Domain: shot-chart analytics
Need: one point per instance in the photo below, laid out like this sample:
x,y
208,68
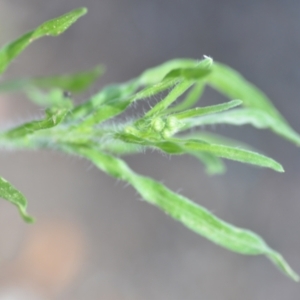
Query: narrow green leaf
x,y
76,82
54,116
232,153
176,92
200,111
178,68
155,89
12,195
255,117
214,165
178,146
233,85
58,25
182,209
192,98
52,27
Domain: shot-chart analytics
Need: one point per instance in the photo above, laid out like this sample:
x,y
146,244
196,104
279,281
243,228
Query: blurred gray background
x,y
110,244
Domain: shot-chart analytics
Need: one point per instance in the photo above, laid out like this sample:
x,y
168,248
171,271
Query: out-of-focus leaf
x,y
52,98
12,195
187,212
118,147
52,27
233,85
75,83
255,117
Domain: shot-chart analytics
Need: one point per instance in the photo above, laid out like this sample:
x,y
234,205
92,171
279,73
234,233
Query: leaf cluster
x,y
96,130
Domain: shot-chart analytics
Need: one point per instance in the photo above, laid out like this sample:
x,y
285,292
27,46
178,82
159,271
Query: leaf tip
x,y
279,168
208,61
237,102
82,11
28,219
208,58
282,264
276,166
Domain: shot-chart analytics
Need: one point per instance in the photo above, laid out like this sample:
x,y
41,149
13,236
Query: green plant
x,y
86,130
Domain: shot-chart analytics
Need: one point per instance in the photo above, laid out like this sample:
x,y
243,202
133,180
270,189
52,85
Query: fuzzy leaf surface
x,y
187,212
52,119
178,146
75,83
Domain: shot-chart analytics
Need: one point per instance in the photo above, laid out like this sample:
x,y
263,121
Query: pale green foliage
x,y
89,130
11,194
52,28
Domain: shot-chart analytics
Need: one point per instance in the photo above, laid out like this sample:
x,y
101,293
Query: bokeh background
x,y
94,239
